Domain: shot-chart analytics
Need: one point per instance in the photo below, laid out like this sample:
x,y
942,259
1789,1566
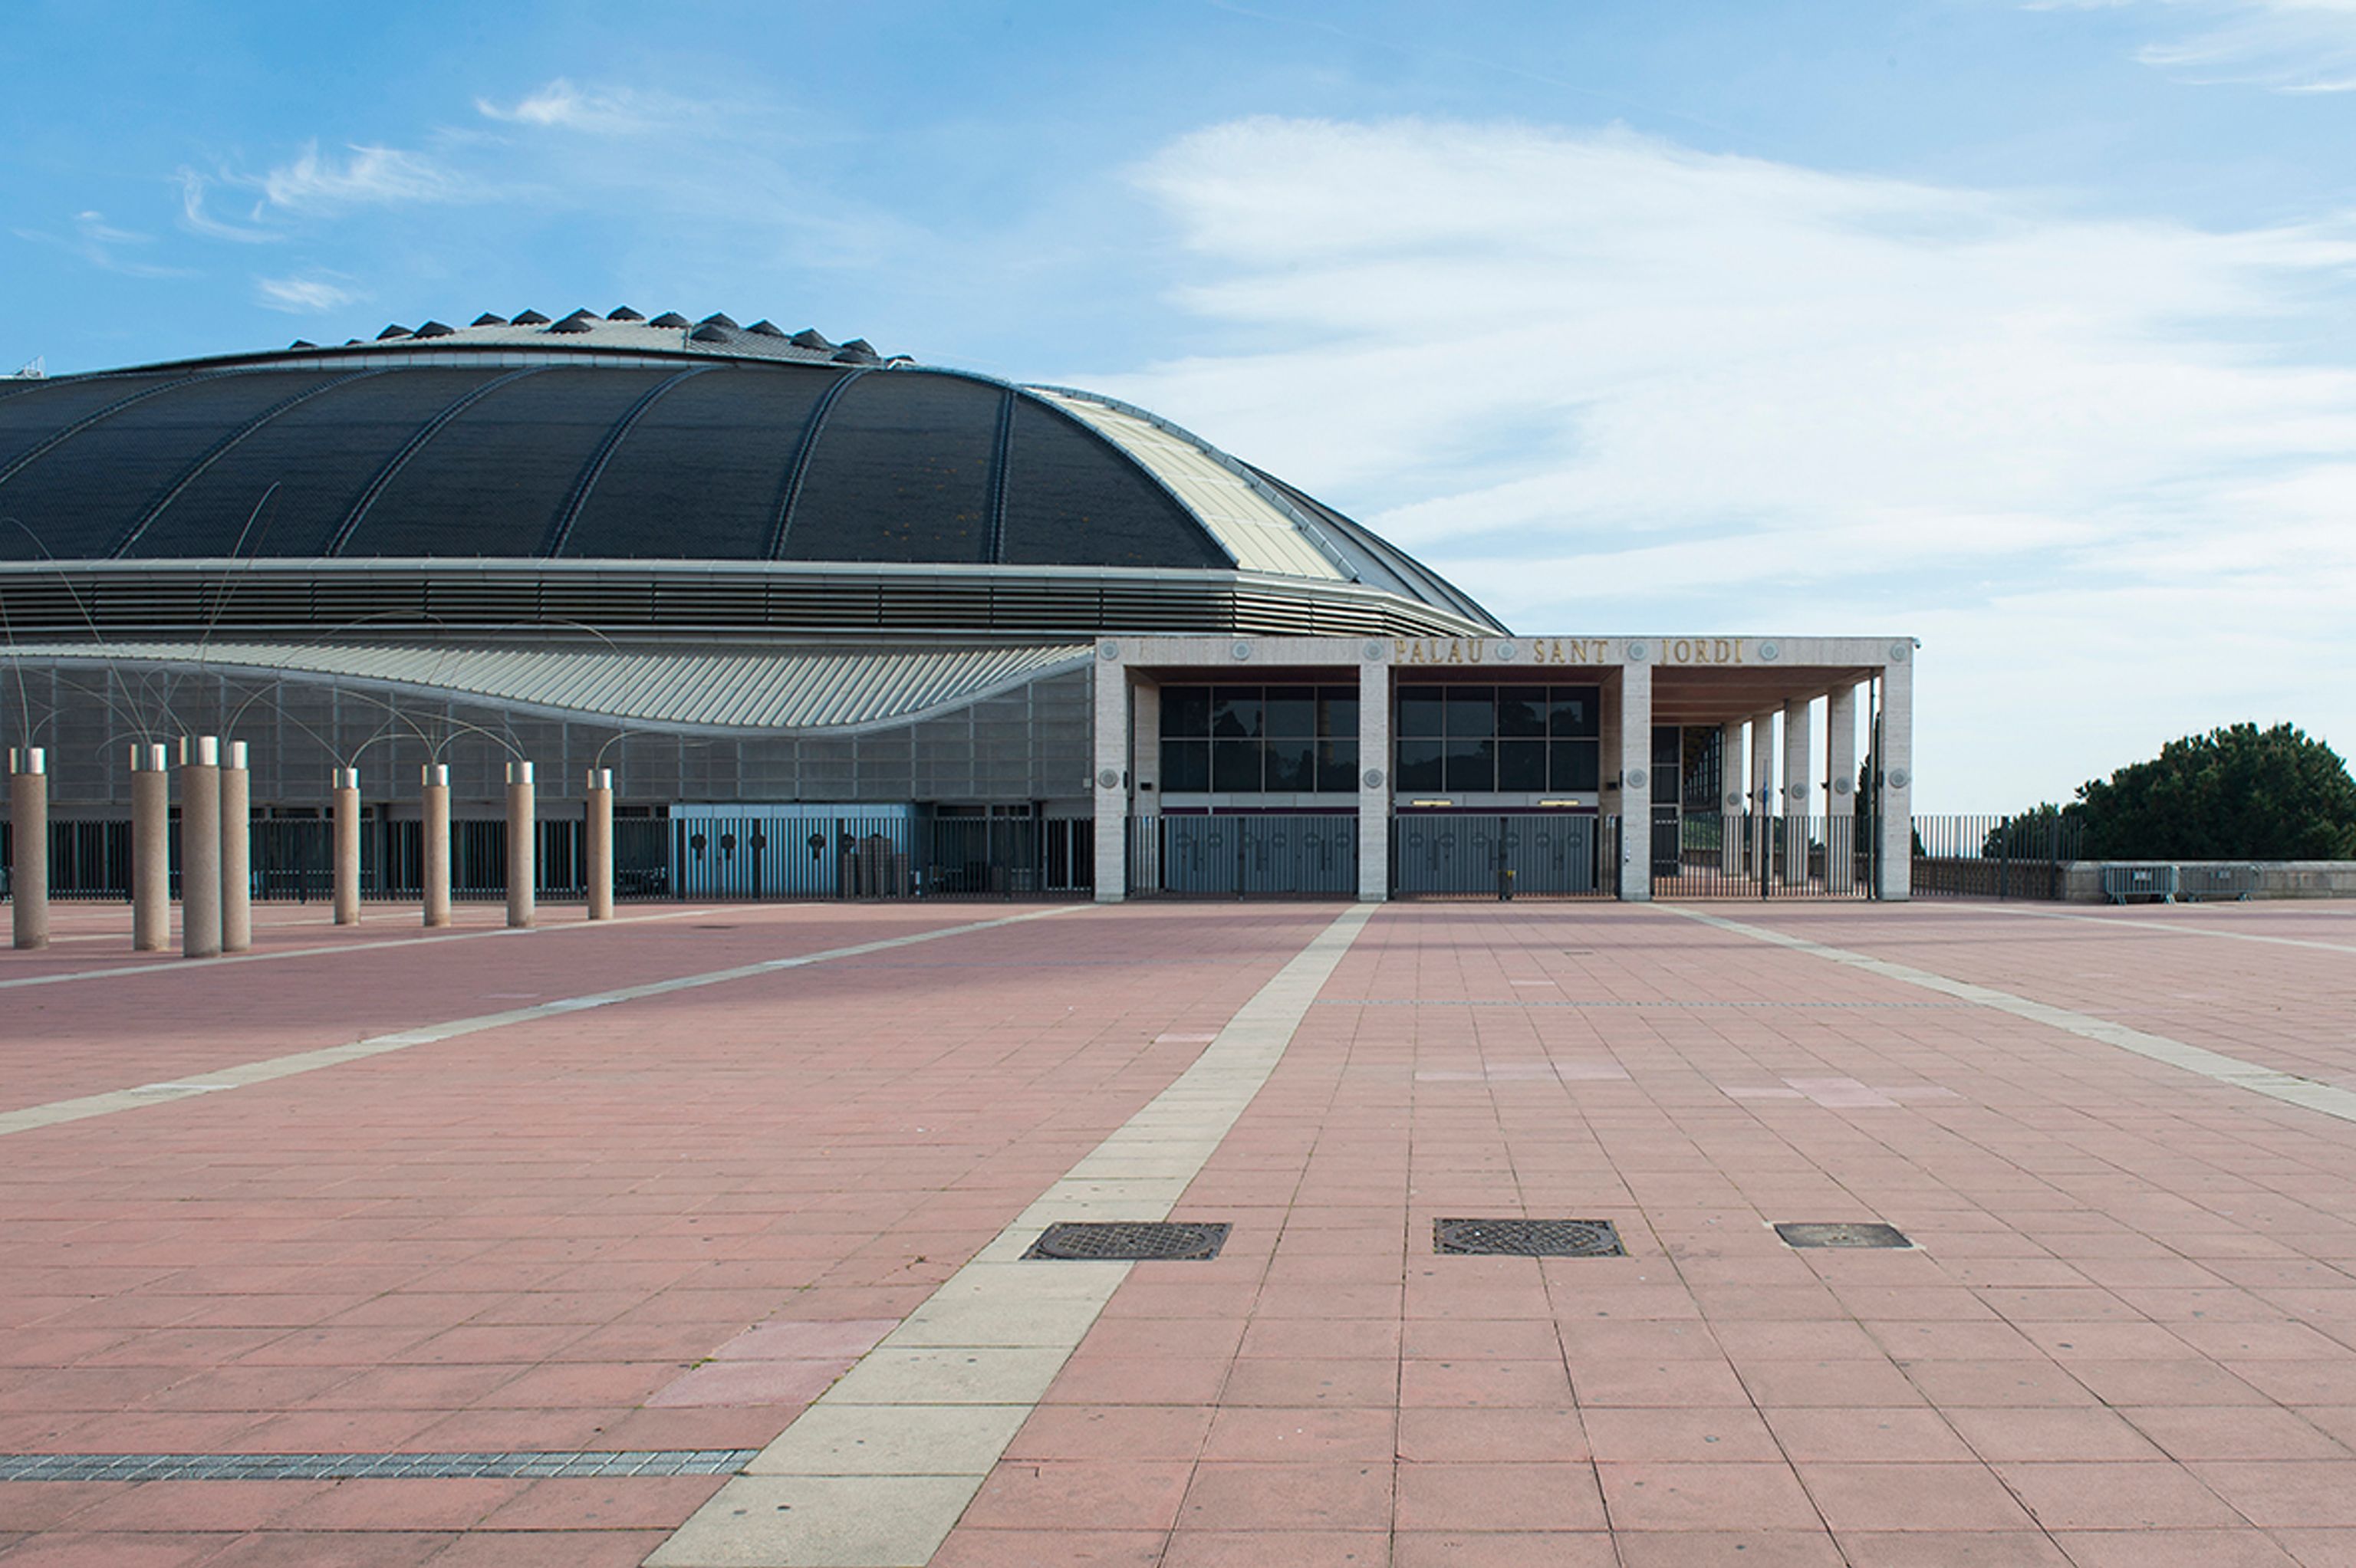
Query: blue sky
x,y
2025,329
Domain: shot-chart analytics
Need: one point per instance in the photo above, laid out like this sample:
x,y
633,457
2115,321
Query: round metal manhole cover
x,y
1129,1242
1528,1238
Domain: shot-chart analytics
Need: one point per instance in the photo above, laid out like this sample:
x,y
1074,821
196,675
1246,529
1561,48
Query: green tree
x,y
2237,792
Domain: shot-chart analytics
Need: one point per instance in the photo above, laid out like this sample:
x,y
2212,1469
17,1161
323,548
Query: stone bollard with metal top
x,y
28,815
520,859
437,843
346,783
200,846
237,850
599,835
151,849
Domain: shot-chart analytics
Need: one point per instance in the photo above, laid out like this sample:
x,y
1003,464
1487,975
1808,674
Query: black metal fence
x,y
2023,857
1760,856
1244,855
1505,855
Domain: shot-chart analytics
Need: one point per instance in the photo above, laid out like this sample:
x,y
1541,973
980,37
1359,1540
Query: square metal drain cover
x,y
1124,1240
1528,1238
1854,1234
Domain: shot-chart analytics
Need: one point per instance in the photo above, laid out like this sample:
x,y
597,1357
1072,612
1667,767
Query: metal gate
x,y
1508,855
1755,856
1259,854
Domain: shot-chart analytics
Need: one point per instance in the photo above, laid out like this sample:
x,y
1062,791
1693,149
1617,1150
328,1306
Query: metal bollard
x,y
29,878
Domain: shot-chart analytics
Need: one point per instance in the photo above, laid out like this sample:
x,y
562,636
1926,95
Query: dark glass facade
x,y
1259,739
1497,740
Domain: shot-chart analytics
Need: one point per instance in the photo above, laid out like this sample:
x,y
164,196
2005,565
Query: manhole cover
x,y
1858,1234
1128,1241
1528,1238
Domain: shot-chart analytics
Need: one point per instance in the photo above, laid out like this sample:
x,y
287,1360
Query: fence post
x,y
151,849
348,846
522,907
200,846
598,833
436,891
28,880
237,849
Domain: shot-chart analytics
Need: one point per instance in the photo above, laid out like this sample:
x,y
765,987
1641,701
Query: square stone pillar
x,y
1798,805
1145,747
1730,796
1374,777
1108,778
1632,760
1895,759
1840,790
1758,830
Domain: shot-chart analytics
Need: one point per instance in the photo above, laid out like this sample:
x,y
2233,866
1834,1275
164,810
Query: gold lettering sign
x,y
1702,650
1585,651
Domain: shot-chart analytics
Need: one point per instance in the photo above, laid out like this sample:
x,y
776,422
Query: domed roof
x,y
614,437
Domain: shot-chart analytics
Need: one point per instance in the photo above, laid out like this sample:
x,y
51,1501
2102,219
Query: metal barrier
x,y
2125,881
1755,856
1503,855
2019,857
2217,879
1244,855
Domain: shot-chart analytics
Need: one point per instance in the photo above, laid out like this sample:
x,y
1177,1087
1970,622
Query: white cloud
x,y
309,294
367,176
102,244
1611,384
560,103
2288,46
197,220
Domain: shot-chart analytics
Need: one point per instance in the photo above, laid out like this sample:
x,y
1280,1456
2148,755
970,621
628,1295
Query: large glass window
x,y
1259,739
1481,739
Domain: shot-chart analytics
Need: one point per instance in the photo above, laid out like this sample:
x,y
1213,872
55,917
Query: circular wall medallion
x,y
1771,651
1373,650
1840,787
1506,650
1374,778
1636,779
1109,779
1898,651
1638,653
1733,802
1797,792
1898,778
1108,649
1242,650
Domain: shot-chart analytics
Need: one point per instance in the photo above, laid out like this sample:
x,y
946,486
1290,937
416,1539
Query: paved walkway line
x,y
184,966
2184,930
2329,1099
877,1471
276,1067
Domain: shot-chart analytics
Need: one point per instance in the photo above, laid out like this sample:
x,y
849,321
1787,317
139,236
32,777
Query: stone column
x,y
1729,796
1108,780
347,782
597,835
29,816
1373,776
151,849
1632,762
1840,790
436,813
1798,805
1894,757
200,846
521,856
1760,807
237,849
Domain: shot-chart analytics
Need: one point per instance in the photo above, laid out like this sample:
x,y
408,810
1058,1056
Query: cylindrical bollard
x,y
348,846
600,837
437,843
151,849
237,850
200,846
520,859
29,877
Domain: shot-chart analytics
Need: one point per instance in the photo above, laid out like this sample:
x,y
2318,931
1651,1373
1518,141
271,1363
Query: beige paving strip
x,y
187,965
2327,1098
876,1473
264,1071
2166,928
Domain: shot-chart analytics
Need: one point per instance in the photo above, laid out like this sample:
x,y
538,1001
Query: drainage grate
x,y
1529,1238
354,1466
1128,1241
1858,1234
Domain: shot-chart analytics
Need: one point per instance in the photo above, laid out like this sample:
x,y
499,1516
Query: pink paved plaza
x,y
656,1185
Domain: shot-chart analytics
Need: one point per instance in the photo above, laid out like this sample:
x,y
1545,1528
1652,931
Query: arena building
x,y
818,607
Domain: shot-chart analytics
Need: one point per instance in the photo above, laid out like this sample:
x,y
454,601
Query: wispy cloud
x,y
102,244
2287,46
197,220
362,177
600,110
307,294
1610,383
